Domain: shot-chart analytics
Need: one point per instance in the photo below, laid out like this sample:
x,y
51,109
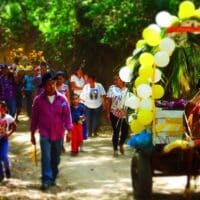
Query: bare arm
x,y
74,87
12,129
108,106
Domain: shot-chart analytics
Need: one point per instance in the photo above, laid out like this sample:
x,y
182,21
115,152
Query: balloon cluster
x,y
152,60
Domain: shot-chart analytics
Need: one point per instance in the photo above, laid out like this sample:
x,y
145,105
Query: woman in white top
x,y
77,81
93,97
116,112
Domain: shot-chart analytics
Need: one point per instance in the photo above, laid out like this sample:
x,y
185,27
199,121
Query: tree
x,y
68,31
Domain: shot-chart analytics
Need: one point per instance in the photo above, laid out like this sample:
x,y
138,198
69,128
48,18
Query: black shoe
x,y
45,186
96,135
121,149
1,178
53,183
63,150
8,174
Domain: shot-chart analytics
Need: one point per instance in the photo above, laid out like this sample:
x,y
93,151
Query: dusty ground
x,y
93,174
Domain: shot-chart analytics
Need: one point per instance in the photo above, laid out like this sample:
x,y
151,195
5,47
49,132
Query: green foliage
x,y
40,24
183,71
59,27
12,28
111,22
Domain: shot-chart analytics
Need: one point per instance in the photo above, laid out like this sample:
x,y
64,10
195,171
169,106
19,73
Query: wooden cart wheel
x,y
141,175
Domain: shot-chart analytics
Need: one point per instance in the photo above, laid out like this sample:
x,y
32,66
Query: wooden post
x,y
153,103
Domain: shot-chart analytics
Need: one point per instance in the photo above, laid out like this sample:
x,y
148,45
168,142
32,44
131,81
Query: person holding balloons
x,y
116,113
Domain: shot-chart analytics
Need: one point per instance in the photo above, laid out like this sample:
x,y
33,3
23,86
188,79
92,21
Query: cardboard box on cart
x,y
168,126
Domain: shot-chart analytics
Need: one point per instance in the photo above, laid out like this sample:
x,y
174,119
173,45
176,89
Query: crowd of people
x,y
60,109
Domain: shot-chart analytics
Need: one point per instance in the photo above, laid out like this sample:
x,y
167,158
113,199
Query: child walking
x,y
7,127
78,117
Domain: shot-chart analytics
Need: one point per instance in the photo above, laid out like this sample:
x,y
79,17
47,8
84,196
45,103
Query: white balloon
x,y
130,118
144,91
164,19
155,27
168,45
161,59
146,104
125,74
132,102
157,76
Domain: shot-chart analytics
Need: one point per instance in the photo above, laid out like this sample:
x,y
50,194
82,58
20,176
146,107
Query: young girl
x,y
61,86
7,127
63,89
78,117
116,113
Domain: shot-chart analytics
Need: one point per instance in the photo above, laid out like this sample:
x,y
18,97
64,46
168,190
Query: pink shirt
x,y
51,119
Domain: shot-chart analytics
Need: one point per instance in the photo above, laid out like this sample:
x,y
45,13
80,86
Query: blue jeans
x,y
12,107
4,161
50,159
93,116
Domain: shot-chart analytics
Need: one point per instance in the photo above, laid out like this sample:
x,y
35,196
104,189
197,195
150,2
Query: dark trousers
x,y
29,102
11,105
50,159
120,131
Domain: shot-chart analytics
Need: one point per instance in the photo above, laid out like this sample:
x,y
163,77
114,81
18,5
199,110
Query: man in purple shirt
x,y
8,89
51,116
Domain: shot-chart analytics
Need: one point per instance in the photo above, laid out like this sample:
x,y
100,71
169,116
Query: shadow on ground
x,y
93,174
158,196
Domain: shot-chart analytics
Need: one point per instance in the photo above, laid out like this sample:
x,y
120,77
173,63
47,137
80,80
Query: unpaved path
x,y
93,174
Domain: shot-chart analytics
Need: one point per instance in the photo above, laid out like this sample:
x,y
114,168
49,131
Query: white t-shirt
x,y
5,122
117,95
51,98
92,97
79,82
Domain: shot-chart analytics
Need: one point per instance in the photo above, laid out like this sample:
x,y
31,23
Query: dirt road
x,y
93,174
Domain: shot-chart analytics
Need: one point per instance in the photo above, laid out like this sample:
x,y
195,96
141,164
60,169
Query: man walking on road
x,y
51,116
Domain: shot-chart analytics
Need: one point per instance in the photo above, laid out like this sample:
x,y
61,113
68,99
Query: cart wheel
x,y
141,176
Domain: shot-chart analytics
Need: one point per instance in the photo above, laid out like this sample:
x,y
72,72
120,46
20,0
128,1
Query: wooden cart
x,y
145,165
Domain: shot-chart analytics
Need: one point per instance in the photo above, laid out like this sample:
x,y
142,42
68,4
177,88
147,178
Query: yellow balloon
x,y
145,116
182,144
186,10
136,127
140,44
145,71
140,80
197,13
146,59
186,5
158,91
151,36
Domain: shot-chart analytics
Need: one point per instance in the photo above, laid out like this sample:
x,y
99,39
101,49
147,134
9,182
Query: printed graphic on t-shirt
x,y
2,127
117,101
93,93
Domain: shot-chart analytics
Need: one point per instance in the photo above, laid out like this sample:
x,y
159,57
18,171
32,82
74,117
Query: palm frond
x,y
183,71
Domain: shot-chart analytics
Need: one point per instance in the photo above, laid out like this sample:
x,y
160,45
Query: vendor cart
x,y
146,164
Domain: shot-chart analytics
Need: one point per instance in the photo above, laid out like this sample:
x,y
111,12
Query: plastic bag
x,y
141,141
